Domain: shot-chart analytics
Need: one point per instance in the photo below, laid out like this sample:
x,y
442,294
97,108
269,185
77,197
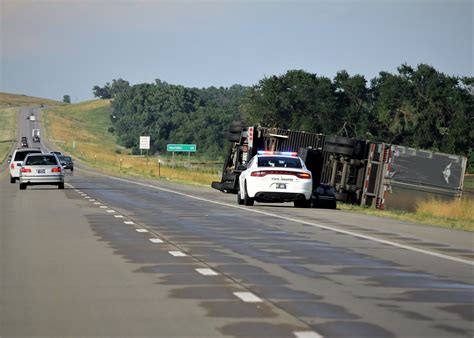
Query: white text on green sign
x,y
181,147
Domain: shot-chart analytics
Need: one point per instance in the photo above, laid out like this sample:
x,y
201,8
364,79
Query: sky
x,y
50,48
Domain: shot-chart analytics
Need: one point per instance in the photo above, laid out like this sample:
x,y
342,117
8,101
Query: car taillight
x,y
56,170
262,173
259,173
303,175
12,166
25,170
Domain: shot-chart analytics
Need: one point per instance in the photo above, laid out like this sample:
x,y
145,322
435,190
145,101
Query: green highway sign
x,y
190,148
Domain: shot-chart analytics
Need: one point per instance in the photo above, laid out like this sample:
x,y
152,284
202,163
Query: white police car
x,y
275,177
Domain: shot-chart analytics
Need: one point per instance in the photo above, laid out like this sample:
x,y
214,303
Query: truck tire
x,y
232,137
247,200
61,186
22,186
12,180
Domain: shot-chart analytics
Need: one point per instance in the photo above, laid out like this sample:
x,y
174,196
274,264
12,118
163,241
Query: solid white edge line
x,y
177,253
207,272
383,241
307,334
248,297
156,240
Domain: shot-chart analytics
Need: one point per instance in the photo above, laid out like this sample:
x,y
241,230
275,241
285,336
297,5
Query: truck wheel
x,y
61,186
12,180
22,186
247,200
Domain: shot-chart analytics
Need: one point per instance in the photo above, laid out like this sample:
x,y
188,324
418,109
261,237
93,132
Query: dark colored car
x,y
66,162
324,197
36,138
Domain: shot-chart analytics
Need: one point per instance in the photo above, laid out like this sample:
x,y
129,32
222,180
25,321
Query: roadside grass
x,y
82,131
15,100
8,119
457,214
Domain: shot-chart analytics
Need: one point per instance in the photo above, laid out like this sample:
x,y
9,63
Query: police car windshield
x,y
279,162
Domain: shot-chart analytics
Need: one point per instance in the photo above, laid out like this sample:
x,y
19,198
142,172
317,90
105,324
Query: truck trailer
x,y
362,172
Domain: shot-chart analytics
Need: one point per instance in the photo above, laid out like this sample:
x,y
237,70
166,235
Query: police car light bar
x,y
283,153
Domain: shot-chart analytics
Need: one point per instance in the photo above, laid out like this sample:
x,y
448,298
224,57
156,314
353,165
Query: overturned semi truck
x,y
374,174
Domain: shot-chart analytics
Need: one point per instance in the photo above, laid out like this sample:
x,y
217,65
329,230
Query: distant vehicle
x,y
36,138
24,143
66,162
58,153
17,159
41,169
275,177
32,118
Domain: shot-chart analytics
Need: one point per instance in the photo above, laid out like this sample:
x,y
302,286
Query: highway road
x,y
118,256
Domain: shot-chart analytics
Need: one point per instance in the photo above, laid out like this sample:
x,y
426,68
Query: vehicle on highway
x,y
36,138
324,196
24,142
275,177
17,159
66,162
41,169
57,153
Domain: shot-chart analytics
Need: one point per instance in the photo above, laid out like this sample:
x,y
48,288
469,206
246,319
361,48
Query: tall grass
x,y
8,118
462,209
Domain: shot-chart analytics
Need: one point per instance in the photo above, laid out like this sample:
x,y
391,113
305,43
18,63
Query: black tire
x,y
302,204
61,186
240,201
12,180
22,186
247,200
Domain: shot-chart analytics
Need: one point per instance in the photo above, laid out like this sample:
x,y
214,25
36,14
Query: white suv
x,y
275,177
16,161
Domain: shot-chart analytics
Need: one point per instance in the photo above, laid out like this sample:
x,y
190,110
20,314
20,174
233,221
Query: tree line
x,y
417,106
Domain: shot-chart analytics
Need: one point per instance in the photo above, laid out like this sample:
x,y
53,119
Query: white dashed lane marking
x,y
177,253
248,297
97,203
111,211
118,216
156,240
103,207
207,272
142,230
129,222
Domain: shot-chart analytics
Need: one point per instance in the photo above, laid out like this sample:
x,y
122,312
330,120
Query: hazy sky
x,y
49,48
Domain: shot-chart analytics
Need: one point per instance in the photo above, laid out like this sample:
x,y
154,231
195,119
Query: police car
x,y
275,177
